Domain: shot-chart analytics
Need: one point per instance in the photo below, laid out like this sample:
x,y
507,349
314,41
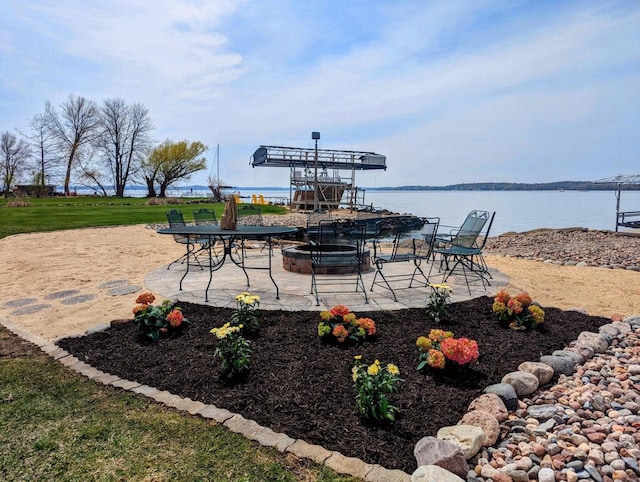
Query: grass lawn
x,y
57,425
56,213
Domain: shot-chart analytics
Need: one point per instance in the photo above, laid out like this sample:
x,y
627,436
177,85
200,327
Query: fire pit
x,y
297,259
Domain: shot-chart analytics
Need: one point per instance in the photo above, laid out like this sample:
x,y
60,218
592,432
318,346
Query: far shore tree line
x,y
106,145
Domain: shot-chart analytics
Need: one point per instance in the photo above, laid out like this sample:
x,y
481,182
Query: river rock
x,y
523,383
506,392
546,475
595,341
490,403
470,439
542,412
542,371
575,356
487,422
434,451
561,365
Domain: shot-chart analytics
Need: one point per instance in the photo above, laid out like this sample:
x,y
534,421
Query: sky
x,y
449,92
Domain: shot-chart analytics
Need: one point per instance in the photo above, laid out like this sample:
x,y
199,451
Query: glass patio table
x,y
231,239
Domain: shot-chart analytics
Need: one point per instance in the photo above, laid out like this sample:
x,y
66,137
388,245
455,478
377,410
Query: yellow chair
x,y
262,201
254,199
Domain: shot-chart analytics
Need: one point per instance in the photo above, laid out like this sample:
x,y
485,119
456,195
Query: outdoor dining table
x,y
209,235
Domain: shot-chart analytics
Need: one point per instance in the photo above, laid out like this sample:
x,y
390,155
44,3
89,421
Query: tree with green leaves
x,y
170,162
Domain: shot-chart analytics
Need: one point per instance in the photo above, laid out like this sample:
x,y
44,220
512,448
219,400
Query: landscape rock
x,y
490,403
433,473
506,392
470,439
562,365
434,451
487,422
542,371
595,341
523,383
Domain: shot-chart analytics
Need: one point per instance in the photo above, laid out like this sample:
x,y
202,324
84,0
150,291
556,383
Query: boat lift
x,y
626,219
310,189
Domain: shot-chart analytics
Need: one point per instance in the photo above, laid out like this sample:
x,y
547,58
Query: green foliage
x,y
341,325
372,384
438,302
233,350
246,314
172,161
154,321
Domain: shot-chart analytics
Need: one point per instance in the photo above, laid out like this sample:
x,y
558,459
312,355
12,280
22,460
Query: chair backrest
x,y
340,233
468,233
250,215
427,237
372,226
175,219
485,236
205,216
174,216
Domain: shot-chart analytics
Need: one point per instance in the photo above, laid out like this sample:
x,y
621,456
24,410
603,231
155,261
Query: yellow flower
x,y
391,368
376,362
358,357
373,369
224,330
440,286
424,343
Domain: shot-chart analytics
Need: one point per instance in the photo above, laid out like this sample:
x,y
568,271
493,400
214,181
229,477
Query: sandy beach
x,y
93,262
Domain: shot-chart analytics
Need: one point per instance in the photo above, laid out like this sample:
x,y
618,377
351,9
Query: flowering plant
x,y
519,311
156,320
372,384
438,301
440,346
233,350
342,325
246,314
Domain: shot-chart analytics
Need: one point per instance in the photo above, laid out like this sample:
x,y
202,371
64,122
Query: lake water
x,y
515,210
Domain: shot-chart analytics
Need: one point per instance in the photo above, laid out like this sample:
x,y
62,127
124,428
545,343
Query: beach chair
x,y
176,220
411,248
343,237
463,253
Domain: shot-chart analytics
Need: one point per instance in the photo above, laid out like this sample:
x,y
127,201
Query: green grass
x,y
53,214
56,425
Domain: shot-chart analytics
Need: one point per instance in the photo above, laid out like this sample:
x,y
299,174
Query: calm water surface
x,y
515,210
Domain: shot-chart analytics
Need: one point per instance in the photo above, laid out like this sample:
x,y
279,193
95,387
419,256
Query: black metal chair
x,y
406,248
336,258
176,220
465,253
206,217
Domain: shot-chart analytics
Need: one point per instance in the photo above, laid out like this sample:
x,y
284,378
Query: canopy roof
x,y
622,179
277,156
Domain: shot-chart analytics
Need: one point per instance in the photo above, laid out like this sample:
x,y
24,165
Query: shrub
x,y
440,346
372,384
519,312
233,350
341,325
438,302
154,321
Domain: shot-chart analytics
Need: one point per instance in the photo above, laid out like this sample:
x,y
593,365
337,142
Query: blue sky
x,y
463,91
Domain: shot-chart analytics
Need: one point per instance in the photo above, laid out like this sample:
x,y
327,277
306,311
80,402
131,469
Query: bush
x,y
154,321
441,346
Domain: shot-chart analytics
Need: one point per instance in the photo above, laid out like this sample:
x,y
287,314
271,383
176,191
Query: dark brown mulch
x,y
302,387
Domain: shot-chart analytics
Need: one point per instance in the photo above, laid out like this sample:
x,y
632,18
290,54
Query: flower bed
x,y
303,387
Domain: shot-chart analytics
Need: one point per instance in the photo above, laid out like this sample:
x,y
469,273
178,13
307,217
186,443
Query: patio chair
x,y
176,220
332,270
313,221
205,217
251,215
465,254
410,248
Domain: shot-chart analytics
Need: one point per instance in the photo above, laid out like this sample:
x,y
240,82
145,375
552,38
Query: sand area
x,y
65,282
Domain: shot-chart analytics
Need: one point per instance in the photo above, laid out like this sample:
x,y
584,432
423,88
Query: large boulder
x,y
524,383
542,371
470,439
562,365
595,341
506,392
490,403
487,422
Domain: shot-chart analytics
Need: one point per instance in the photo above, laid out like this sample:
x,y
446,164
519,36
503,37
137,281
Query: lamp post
x,y
315,136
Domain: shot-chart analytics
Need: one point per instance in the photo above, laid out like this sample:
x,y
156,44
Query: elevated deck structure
x,y
625,219
330,176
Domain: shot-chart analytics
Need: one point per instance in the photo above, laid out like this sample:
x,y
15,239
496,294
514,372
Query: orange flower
x,y
502,297
368,325
341,333
435,358
138,308
439,335
460,350
340,310
515,306
145,299
523,298
175,318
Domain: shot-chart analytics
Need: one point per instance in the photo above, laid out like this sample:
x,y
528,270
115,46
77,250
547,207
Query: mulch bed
x,y
303,387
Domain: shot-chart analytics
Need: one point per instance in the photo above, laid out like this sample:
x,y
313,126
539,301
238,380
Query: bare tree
x,y
14,159
172,161
124,139
43,148
76,126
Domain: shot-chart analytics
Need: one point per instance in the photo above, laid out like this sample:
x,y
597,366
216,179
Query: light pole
x,y
315,136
